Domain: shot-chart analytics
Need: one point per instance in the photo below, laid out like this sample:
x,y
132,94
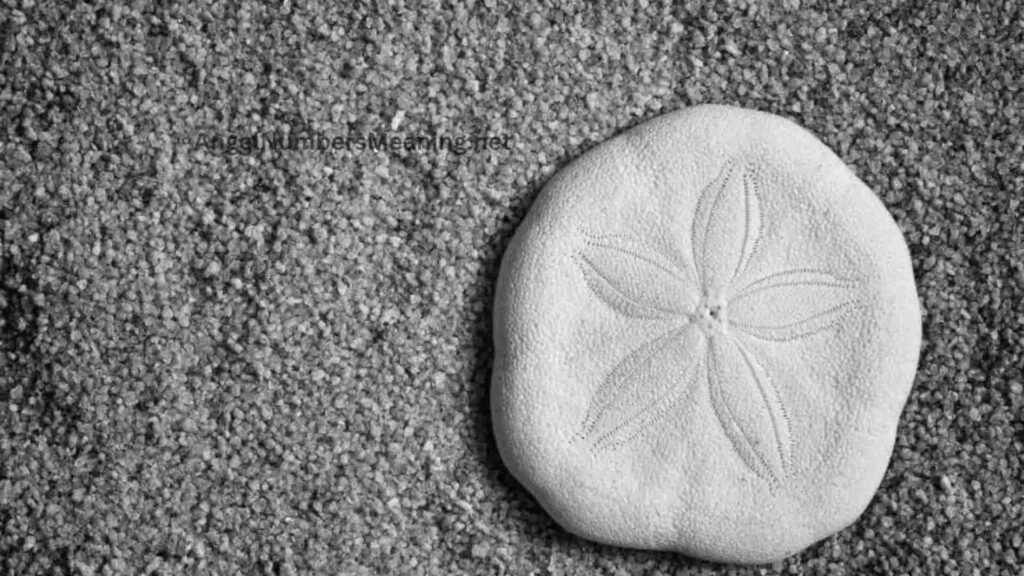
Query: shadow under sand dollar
x,y
528,515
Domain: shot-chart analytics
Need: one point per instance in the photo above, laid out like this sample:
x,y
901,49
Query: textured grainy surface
x,y
677,320
278,363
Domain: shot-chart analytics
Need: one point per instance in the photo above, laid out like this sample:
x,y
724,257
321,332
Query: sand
x,y
219,356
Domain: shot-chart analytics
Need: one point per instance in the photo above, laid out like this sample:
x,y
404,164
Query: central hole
x,y
715,311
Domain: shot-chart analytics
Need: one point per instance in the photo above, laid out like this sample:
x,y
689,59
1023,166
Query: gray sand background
x,y
277,362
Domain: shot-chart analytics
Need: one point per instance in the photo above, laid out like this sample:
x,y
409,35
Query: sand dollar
x,y
705,331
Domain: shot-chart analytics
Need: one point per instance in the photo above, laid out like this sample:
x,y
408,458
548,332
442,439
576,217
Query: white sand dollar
x,y
705,331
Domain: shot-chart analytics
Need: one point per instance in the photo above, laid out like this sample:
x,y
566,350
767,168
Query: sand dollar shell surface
x,y
706,329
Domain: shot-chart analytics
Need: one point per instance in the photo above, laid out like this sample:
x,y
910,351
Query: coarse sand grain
x,y
230,354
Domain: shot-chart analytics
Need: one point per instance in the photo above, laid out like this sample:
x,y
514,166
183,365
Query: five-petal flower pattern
x,y
716,311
